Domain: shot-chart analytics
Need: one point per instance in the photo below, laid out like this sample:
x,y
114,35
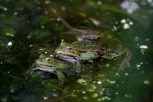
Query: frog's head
x,y
45,63
45,60
66,50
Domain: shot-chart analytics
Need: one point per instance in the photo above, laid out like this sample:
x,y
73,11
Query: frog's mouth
x,y
44,68
71,59
37,63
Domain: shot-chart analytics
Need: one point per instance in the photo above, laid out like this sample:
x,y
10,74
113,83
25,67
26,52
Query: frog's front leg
x,y
74,60
60,75
77,66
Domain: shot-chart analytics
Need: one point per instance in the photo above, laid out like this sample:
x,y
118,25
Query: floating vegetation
x,y
76,69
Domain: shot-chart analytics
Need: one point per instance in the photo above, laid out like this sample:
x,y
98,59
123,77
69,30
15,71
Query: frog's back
x,y
86,45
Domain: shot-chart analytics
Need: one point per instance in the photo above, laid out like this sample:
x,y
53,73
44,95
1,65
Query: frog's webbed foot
x,y
125,62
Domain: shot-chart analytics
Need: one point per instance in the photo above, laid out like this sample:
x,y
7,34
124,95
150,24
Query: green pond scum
x,y
76,51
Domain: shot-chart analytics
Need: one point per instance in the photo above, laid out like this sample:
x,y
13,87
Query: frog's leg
x,y
125,62
77,66
60,76
111,56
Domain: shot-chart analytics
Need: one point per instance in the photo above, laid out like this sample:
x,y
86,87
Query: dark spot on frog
x,y
101,52
48,59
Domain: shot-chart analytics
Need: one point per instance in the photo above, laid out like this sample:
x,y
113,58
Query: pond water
x,y
30,28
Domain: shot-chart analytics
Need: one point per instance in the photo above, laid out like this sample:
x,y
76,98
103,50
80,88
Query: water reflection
x,y
26,38
129,6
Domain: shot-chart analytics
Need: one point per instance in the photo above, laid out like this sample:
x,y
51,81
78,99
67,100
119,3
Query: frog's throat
x,y
72,60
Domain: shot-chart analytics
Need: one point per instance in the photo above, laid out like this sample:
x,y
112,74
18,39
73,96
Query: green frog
x,y
87,51
66,52
49,63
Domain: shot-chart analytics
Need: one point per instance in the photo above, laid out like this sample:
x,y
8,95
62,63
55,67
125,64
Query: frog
x,y
50,64
66,52
84,34
79,33
88,51
77,51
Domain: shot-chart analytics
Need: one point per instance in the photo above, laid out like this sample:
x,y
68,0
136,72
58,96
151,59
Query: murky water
x,y
28,29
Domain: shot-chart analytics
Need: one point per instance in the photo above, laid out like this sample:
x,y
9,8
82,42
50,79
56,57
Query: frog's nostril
x,y
58,51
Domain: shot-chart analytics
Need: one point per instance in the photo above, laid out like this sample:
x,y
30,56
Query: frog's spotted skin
x,y
78,51
87,50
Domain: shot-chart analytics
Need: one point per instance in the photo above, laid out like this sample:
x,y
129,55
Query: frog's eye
x,y
70,48
48,59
